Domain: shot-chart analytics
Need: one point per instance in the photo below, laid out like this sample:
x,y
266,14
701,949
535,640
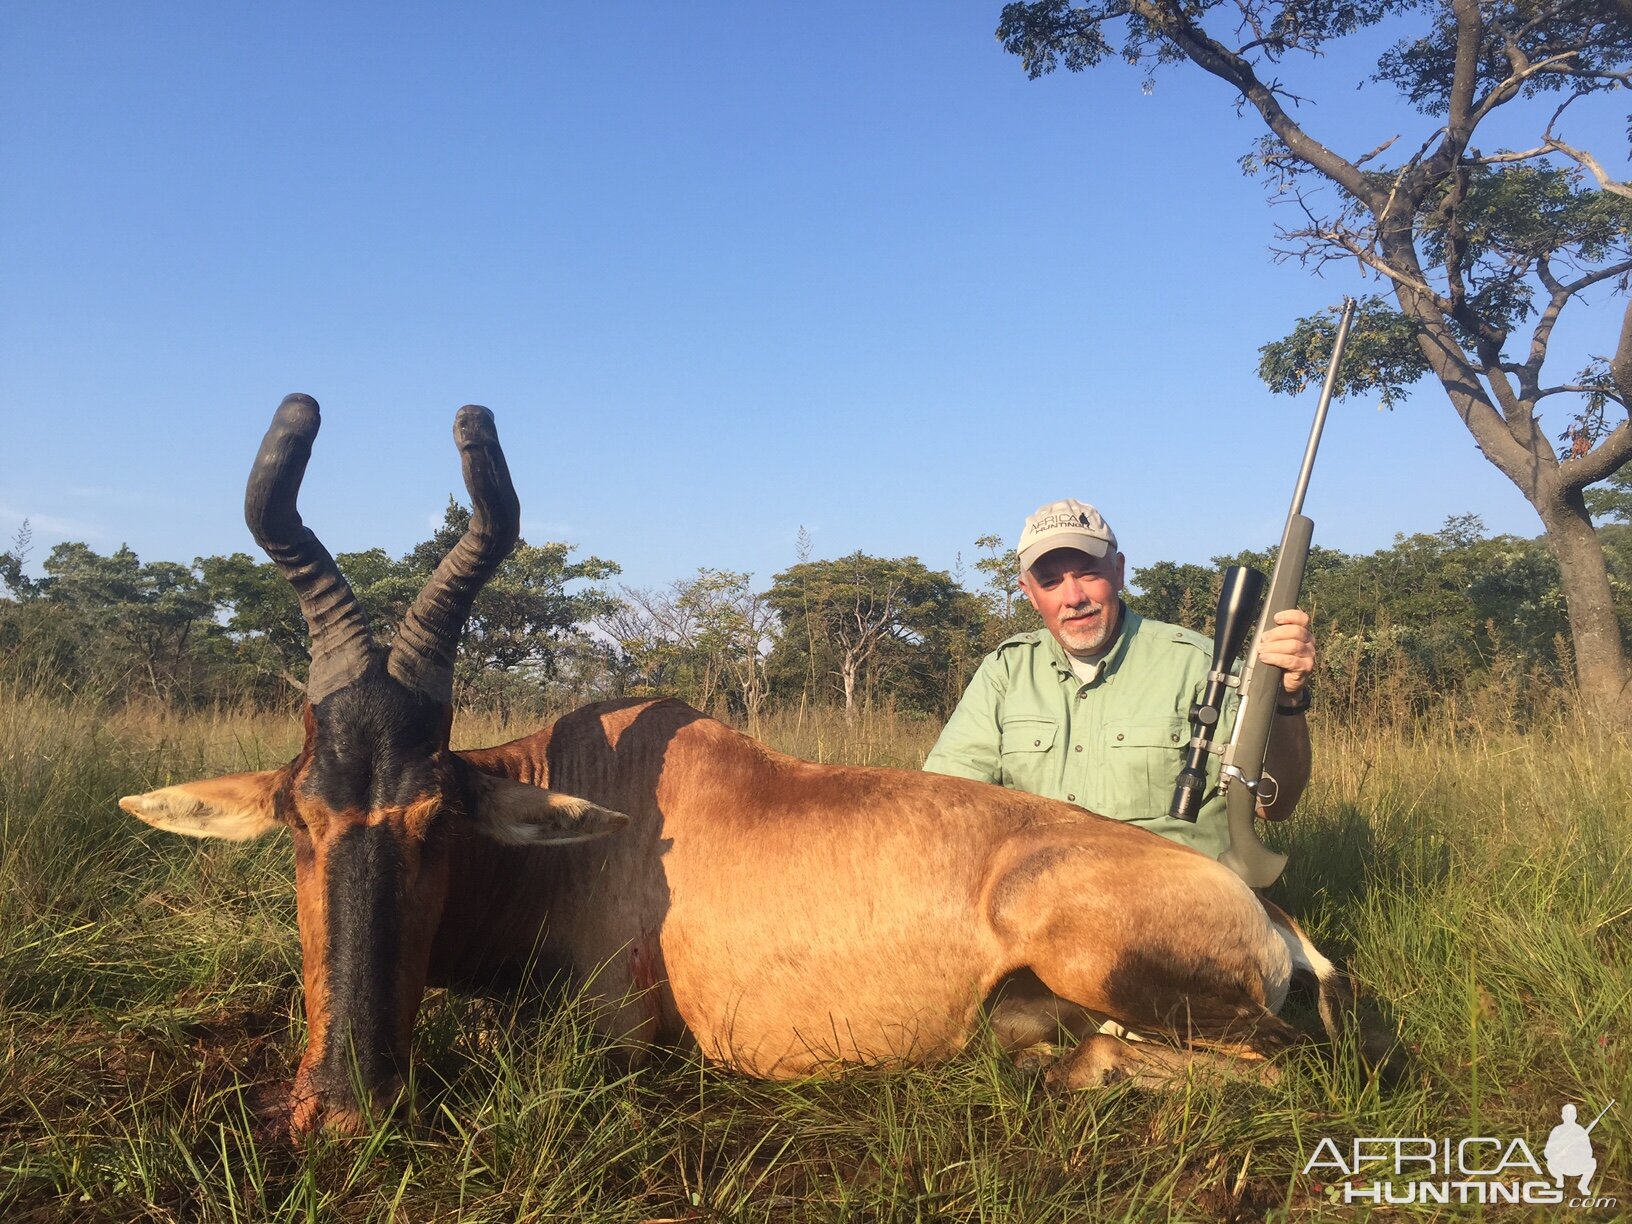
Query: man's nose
x,y
1075,589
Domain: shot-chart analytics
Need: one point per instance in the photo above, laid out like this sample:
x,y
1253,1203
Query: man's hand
x,y
1289,645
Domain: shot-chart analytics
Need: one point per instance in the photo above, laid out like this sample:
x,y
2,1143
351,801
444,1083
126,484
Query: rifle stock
x,y
1242,769
1243,764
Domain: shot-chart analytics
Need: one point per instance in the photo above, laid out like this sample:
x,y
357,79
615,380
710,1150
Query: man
x,y
1096,710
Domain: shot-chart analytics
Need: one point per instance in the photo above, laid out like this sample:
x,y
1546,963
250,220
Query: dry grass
x,y
1476,879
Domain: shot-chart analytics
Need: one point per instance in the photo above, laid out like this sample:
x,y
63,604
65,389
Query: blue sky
x,y
720,270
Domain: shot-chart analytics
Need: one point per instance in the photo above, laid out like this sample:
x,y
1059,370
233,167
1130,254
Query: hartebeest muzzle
x,y
375,797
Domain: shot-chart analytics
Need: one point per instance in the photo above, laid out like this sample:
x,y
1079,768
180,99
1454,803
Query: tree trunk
x,y
1518,449
847,673
1595,632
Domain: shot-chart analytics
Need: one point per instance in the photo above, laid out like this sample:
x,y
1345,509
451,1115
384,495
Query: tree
x,y
523,625
1007,611
115,619
1482,252
262,617
1180,593
875,623
704,637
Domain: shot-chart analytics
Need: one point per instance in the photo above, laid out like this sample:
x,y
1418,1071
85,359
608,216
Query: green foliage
x,y
1382,354
1595,38
1046,34
1179,593
873,628
1006,609
525,628
1452,607
262,617
1613,499
229,628
113,619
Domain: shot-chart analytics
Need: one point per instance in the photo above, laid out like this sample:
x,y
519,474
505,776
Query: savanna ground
x,y
1475,879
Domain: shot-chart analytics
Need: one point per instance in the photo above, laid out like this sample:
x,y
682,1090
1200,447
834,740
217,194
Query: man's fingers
x,y
1289,645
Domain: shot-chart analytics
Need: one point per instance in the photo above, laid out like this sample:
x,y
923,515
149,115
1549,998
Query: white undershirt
x,y
1088,670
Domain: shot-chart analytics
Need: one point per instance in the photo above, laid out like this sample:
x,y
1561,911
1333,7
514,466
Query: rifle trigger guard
x,y
1267,791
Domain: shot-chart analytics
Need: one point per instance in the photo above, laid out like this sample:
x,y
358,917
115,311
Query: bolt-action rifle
x,y
1241,774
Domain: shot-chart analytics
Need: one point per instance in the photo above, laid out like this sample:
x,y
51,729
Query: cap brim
x,y
1092,545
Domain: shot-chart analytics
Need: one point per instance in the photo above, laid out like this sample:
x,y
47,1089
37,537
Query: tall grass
x,y
1476,879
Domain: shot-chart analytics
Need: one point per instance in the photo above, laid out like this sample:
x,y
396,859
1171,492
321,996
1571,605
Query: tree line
x,y
1432,615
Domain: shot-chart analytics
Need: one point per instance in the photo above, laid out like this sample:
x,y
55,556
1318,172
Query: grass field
x,y
1476,881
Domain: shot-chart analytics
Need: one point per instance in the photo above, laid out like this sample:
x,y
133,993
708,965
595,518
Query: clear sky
x,y
721,270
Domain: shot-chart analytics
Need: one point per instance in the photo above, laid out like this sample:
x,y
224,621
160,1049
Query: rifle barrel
x,y
1326,390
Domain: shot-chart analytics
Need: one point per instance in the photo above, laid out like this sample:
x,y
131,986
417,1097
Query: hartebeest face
x,y
375,799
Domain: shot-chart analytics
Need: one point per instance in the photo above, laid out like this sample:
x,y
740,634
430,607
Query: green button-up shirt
x,y
1113,745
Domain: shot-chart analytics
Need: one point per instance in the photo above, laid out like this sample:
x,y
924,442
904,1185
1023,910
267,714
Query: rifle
x,y
1241,774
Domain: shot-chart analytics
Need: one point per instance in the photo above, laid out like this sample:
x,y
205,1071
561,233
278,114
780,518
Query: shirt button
x,y
1036,743
1175,739
1081,693
1079,748
1119,735
1071,798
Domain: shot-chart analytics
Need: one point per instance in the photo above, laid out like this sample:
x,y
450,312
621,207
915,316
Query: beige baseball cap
x,y
1065,524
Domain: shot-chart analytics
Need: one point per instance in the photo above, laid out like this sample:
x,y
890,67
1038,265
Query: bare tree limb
x,y
1601,461
1597,275
1213,57
1579,389
1506,90
1590,163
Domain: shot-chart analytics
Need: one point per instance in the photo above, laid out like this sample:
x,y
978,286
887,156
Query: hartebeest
x,y
790,917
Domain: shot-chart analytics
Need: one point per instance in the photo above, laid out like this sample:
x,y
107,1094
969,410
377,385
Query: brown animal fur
x,y
810,915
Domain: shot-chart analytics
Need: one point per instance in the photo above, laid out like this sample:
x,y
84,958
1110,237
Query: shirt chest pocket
x,y
1028,753
1142,762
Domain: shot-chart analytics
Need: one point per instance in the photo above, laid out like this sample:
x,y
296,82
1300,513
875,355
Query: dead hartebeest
x,y
790,917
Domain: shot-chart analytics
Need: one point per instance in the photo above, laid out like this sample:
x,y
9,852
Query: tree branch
x,y
1211,56
1505,91
1580,389
1620,366
1515,448
1590,163
1460,120
1601,461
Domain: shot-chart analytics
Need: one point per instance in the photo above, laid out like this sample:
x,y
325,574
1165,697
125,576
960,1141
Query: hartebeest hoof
x,y
312,1113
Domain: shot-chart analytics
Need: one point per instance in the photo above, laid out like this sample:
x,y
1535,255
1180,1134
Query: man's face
x,y
1077,597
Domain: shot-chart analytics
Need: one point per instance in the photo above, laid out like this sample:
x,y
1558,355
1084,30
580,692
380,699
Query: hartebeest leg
x,y
1101,1060
1105,938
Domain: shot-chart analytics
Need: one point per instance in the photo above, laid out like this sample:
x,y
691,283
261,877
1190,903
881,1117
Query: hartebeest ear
x,y
236,807
522,815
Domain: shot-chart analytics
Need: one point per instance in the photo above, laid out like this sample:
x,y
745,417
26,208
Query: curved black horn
x,y
422,652
341,646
